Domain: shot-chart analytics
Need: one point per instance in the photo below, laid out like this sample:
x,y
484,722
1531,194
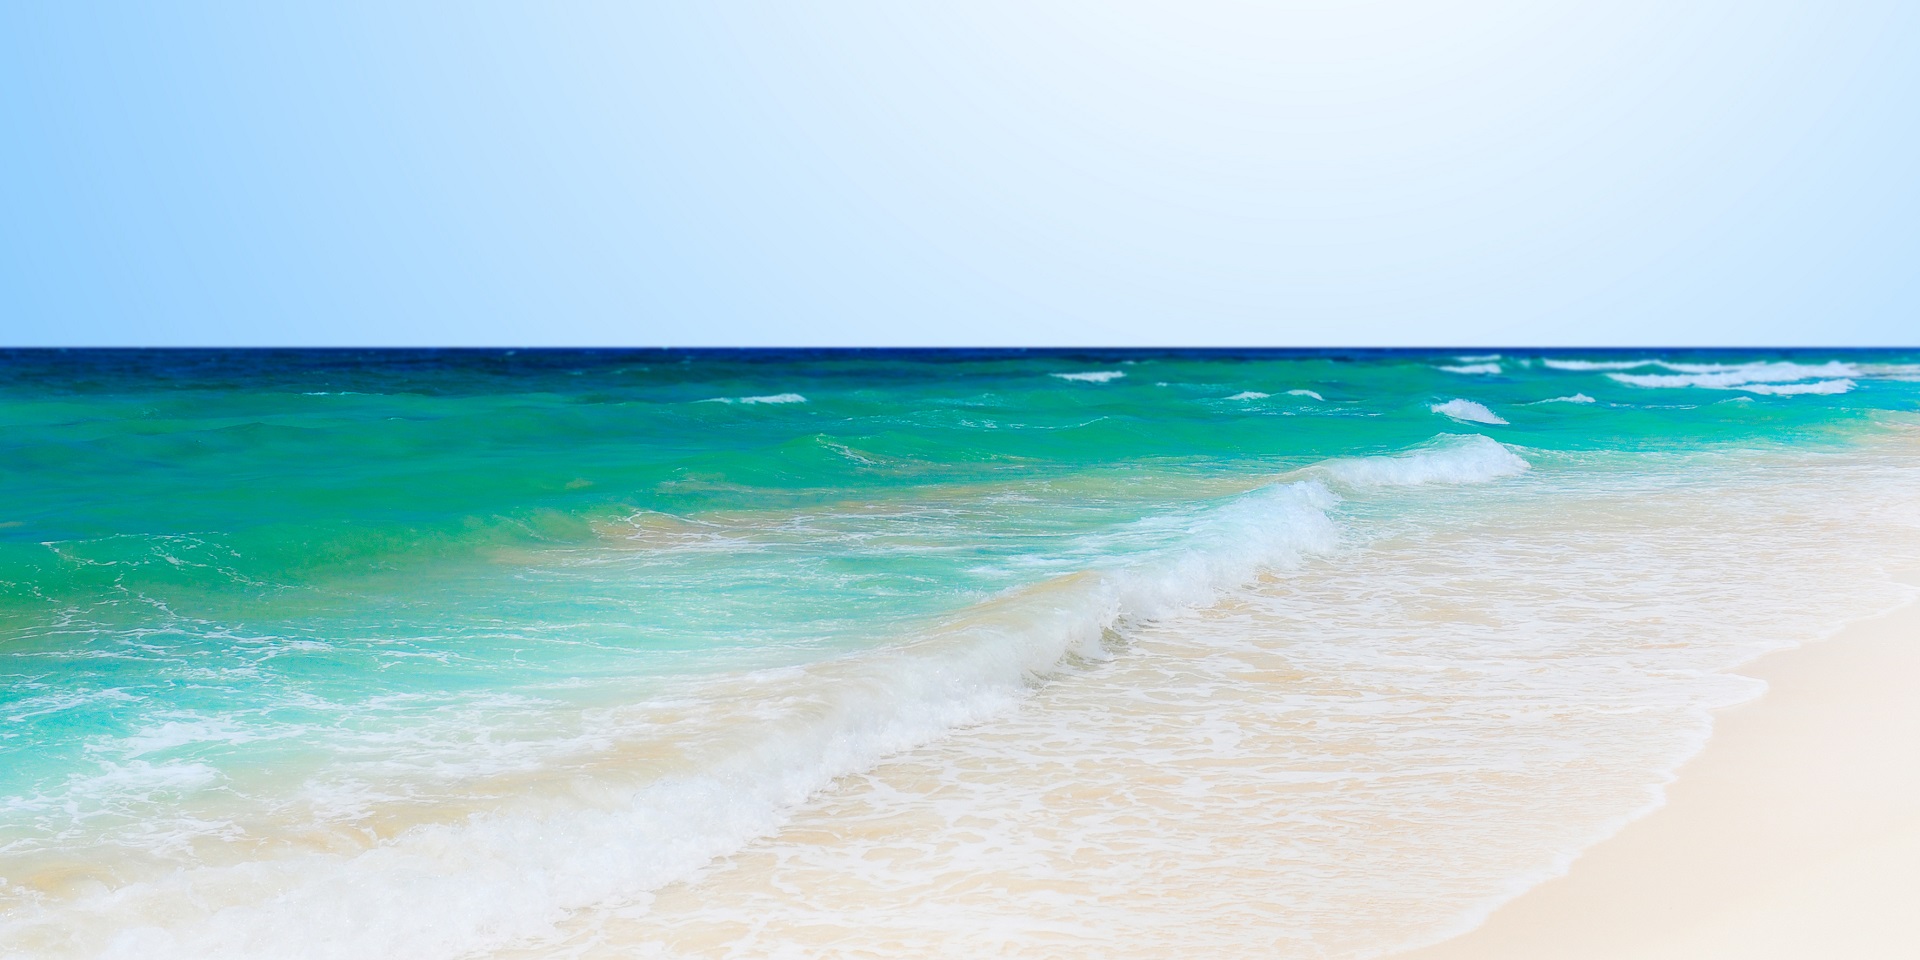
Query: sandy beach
x,y
1122,670
1795,834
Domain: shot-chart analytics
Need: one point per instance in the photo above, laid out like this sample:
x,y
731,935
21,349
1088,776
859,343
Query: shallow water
x,y
333,654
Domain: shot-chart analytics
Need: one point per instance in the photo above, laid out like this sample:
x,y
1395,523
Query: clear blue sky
x,y
1031,172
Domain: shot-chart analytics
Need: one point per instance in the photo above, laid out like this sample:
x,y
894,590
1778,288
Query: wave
x,y
1756,377
1449,458
1474,368
1734,377
1575,398
1765,370
745,751
1793,389
1727,376
1467,410
770,398
1585,366
1588,365
1091,376
1250,395
1890,371
1192,732
1305,393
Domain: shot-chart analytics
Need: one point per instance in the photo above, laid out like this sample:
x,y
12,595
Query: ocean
x,y
814,653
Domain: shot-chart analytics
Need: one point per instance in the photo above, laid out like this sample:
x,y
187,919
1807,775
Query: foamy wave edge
x,y
769,398
449,889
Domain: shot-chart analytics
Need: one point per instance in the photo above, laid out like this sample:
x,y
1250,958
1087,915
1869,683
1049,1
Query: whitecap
x,y
1474,368
1467,410
770,398
1773,370
1584,365
1448,458
1305,393
1091,376
848,452
1891,371
1576,398
1717,376
1250,395
1793,389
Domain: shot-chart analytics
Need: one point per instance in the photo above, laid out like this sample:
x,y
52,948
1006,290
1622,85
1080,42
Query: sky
x,y
1040,172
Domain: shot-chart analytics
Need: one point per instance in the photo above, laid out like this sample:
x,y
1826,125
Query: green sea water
x,y
239,587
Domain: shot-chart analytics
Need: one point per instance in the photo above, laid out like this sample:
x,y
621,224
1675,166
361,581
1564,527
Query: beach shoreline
x,y
1795,832
952,657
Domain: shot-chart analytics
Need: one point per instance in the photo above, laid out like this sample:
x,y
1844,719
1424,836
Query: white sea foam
x,y
1478,357
1092,376
1890,371
1793,389
1584,365
1305,393
1716,376
1448,458
1720,376
1768,370
142,777
175,733
1576,398
1474,368
1467,410
770,398
1250,395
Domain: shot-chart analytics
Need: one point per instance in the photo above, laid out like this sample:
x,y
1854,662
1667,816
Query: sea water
x,y
888,653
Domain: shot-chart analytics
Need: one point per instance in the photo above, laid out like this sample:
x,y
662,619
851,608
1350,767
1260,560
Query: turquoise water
x,y
248,596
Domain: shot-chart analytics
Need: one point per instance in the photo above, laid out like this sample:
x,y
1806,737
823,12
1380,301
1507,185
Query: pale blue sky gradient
x,y
1019,173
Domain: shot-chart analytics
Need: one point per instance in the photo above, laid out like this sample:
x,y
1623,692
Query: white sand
x,y
1795,834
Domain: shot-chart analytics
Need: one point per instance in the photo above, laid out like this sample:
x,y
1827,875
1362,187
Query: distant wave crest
x,y
1778,378
1448,458
770,398
1792,389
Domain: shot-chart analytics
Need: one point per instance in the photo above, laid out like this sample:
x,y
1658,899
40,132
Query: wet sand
x,y
1795,834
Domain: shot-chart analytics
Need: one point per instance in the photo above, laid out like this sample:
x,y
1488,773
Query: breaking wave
x,y
745,751
1467,410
